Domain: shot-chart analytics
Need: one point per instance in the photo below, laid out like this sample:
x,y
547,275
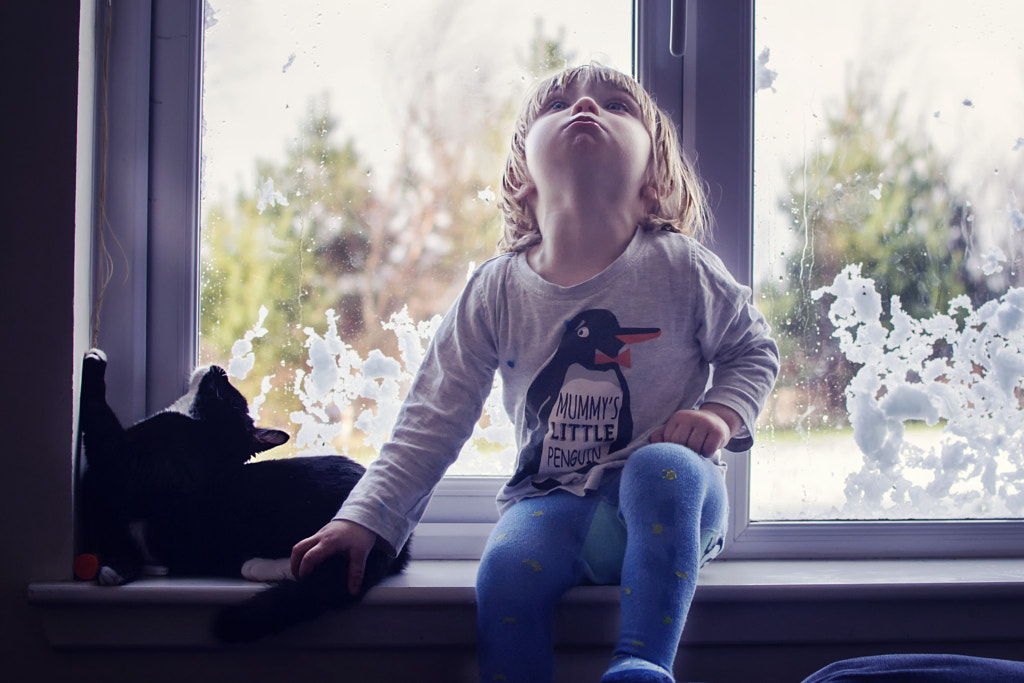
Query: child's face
x,y
590,128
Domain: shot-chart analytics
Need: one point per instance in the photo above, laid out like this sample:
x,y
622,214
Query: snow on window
x,y
338,380
963,370
888,257
351,155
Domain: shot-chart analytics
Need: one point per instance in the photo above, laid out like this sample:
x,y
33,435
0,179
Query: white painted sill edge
x,y
433,604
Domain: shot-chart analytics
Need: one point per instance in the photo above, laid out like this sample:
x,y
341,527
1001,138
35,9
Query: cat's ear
x,y
265,439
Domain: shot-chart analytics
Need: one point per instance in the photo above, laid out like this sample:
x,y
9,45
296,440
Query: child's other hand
x,y
704,431
336,537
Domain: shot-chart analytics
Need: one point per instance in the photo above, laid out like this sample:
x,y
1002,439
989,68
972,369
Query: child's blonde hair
x,y
680,201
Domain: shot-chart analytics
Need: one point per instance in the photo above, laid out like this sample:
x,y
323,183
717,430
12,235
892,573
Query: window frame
x,y
149,320
151,137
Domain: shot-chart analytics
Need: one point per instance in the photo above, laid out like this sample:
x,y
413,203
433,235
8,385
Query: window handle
x,y
677,28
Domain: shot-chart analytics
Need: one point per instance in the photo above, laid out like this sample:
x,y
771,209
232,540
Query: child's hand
x,y
704,431
336,537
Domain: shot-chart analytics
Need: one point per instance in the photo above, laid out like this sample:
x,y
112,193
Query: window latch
x,y
677,28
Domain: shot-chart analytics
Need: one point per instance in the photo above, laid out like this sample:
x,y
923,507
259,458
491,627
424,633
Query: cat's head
x,y
214,401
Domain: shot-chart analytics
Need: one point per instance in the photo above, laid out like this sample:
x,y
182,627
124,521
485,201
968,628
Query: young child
x,y
604,316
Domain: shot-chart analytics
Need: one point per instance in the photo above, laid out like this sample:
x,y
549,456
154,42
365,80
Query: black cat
x,y
177,490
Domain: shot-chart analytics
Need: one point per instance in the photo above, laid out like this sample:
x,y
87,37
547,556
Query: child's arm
x,y
436,418
705,430
735,338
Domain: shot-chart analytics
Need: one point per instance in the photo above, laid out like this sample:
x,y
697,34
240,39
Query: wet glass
x,y
889,185
352,153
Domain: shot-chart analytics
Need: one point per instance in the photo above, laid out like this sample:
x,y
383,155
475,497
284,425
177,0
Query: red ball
x,y
86,566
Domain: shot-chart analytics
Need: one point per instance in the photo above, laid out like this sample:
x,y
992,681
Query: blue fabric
x,y
913,668
635,670
637,676
673,505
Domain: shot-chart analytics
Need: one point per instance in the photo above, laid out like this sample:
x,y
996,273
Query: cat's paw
x,y
96,355
94,366
108,576
260,569
117,572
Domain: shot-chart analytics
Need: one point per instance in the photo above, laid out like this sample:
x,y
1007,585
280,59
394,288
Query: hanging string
x,y
105,262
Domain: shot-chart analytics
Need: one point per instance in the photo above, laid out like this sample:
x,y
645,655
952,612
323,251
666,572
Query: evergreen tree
x,y
874,194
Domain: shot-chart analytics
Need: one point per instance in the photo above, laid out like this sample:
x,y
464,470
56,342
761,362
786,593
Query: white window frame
x,y
150,320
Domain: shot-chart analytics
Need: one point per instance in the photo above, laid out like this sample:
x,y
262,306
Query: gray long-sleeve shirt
x,y
588,373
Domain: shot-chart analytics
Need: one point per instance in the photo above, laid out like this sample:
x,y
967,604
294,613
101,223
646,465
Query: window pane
x,y
352,153
889,186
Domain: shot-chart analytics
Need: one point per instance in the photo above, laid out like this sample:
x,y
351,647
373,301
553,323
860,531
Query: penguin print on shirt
x,y
577,407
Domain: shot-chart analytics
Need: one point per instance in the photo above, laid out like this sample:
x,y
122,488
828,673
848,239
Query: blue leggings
x,y
672,514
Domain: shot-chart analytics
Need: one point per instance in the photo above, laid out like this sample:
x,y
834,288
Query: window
x,y
342,208
889,167
886,223
711,89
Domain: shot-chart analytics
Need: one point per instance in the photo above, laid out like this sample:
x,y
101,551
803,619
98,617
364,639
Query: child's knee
x,y
662,477
512,572
498,572
664,462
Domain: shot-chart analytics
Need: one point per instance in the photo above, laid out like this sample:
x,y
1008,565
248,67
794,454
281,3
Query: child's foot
x,y
636,670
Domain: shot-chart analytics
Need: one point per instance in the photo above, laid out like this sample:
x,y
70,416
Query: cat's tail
x,y
290,602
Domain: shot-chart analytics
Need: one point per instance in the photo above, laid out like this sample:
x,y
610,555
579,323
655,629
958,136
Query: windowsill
x,y
433,604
